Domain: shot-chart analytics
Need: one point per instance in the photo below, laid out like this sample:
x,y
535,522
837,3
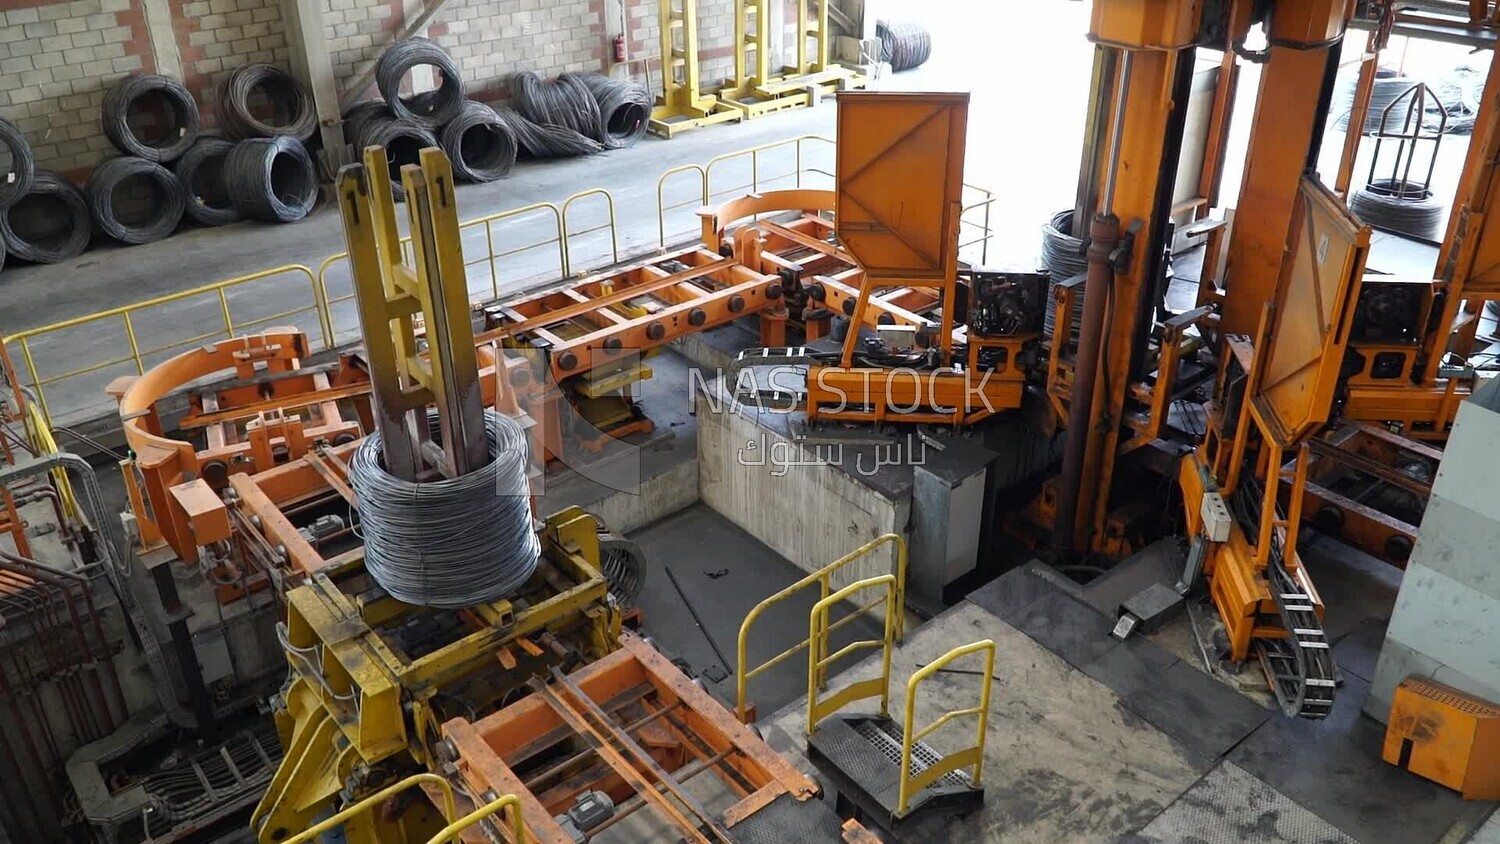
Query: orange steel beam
x,y
1304,38
1138,164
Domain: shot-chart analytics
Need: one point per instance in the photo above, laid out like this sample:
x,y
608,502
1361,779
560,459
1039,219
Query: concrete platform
x,y
1095,740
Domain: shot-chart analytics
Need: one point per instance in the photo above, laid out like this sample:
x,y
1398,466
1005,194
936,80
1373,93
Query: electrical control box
x,y
1216,518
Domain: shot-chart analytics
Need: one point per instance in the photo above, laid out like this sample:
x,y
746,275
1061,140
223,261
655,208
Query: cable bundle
x,y
200,171
624,109
135,93
481,146
451,543
160,205
17,179
292,112
1409,209
903,44
403,141
541,141
431,109
49,224
1062,256
271,179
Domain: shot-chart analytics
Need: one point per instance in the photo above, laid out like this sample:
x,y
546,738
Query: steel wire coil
x,y
200,171
1062,256
623,565
903,44
357,116
481,146
271,179
292,112
431,109
403,141
565,101
19,163
1408,209
177,127
455,542
158,211
49,224
542,141
624,109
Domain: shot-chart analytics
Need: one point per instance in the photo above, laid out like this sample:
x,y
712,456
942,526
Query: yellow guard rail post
x,y
958,759
822,577
449,810
818,658
510,801
568,235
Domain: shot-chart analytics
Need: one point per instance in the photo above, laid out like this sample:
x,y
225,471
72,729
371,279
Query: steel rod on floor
x,y
724,663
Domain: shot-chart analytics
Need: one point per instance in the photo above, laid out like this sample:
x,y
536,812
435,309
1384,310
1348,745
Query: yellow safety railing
x,y
490,258
449,809
818,657
137,353
568,235
708,190
510,801
823,578
969,756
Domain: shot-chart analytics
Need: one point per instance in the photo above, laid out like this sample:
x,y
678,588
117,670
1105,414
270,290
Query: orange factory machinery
x,y
534,715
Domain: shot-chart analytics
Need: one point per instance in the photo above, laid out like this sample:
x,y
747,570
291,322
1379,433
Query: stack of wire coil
x,y
1062,256
1403,207
904,44
450,543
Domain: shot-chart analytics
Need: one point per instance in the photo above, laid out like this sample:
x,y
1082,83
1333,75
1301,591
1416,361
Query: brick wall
x,y
57,60
216,36
357,32
715,41
545,36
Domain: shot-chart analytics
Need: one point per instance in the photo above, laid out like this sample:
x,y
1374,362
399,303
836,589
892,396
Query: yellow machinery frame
x,y
758,88
682,103
354,702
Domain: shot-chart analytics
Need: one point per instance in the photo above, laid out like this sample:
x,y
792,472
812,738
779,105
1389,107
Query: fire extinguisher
x,y
619,42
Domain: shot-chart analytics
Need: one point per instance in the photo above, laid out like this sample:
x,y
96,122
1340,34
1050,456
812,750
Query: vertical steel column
x,y
1294,91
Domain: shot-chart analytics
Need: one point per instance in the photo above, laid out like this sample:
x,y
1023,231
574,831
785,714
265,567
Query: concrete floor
x,y
1094,740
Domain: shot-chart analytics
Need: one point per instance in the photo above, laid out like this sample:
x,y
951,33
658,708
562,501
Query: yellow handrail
x,y
449,809
818,658
822,577
661,199
137,355
958,759
509,801
614,229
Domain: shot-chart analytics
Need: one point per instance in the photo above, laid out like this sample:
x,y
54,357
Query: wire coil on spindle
x,y
1062,256
455,542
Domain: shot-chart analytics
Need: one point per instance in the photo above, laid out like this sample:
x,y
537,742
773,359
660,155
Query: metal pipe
x,y
101,653
1104,234
116,566
1088,169
43,621
1107,206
